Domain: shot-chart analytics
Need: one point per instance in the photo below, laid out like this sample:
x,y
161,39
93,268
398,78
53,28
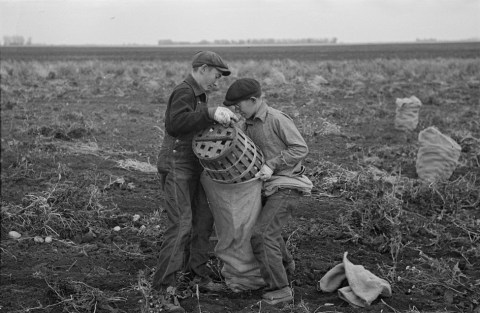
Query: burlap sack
x,y
235,208
406,114
437,155
363,286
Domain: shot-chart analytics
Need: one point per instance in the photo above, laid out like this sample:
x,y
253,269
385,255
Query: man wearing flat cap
x,y
284,182
186,244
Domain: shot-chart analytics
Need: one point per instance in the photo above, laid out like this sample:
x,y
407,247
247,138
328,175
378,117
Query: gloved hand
x,y
265,173
224,116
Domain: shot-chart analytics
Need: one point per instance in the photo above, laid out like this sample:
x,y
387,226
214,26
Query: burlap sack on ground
x,y
437,155
363,286
235,208
406,114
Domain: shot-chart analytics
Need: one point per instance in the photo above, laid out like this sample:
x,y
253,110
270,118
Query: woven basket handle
x,y
214,138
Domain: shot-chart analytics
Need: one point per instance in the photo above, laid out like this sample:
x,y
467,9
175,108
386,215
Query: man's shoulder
x,y
183,88
277,114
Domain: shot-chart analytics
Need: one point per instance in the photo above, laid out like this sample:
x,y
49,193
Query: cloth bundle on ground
x,y
235,208
363,286
406,113
437,155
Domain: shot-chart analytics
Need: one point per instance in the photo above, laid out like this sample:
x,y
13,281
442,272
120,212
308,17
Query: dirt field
x,y
79,139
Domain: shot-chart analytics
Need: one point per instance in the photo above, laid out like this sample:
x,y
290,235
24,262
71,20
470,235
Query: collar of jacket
x,y
261,114
197,89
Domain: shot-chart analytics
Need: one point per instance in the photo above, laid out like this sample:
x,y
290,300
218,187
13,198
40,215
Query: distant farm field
x,y
82,217
299,53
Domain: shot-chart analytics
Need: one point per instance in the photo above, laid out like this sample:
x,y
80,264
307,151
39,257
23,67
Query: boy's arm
x,y
296,147
181,116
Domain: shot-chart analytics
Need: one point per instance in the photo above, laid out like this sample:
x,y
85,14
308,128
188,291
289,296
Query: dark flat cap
x,y
210,58
242,89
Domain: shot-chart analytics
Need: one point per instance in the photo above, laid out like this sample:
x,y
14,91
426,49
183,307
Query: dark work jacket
x,y
187,111
186,114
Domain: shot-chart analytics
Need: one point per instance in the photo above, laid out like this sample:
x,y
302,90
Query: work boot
x,y
278,296
164,301
208,285
171,305
212,286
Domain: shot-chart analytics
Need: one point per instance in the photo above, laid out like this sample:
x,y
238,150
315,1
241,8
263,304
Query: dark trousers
x,y
267,241
186,243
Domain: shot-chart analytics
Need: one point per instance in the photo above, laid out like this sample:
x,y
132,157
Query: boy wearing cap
x,y
185,244
284,149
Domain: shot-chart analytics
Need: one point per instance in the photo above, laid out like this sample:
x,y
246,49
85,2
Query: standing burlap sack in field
x,y
235,208
437,156
406,114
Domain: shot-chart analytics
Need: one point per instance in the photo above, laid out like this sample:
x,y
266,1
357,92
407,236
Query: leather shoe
x,y
278,296
211,286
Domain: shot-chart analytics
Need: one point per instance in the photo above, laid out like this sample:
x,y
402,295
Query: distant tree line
x,y
266,41
426,40
16,41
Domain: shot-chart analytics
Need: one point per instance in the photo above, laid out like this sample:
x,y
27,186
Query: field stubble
x,y
79,141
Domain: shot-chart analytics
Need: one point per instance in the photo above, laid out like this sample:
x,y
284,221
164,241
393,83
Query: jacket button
x,y
177,141
174,151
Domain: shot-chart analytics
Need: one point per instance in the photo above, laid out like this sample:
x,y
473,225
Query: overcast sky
x,y
117,22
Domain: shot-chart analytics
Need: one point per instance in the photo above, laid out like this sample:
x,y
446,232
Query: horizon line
x,y
196,44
